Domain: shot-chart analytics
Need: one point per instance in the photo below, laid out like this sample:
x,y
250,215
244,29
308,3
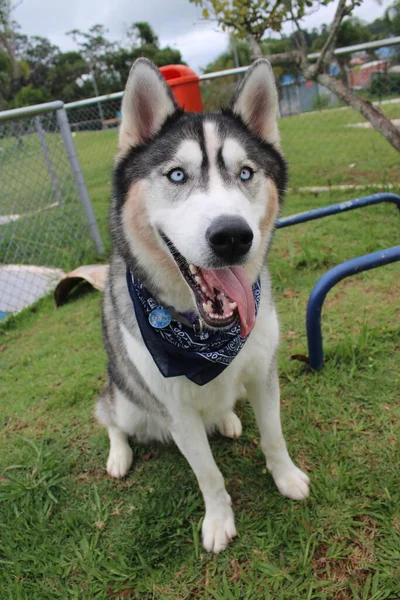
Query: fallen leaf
x,y
290,294
300,357
291,334
307,524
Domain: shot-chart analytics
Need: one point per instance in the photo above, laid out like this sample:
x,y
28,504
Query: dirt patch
x,y
358,558
382,296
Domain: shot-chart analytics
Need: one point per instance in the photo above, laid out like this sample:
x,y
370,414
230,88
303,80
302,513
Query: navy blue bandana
x,y
177,349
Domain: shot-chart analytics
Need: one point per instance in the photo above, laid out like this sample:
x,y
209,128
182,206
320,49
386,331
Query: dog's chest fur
x,y
161,396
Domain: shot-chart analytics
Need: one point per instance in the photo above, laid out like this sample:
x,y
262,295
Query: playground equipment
x,y
345,269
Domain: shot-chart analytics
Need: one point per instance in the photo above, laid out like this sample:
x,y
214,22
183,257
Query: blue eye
x,y
177,176
246,174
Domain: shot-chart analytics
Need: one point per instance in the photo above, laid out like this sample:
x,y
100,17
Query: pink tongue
x,y
235,284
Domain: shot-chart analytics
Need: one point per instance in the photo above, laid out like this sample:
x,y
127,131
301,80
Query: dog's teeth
x,y
192,269
229,314
232,305
197,279
203,288
207,307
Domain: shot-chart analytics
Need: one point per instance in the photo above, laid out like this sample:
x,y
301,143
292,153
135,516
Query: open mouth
x,y
222,295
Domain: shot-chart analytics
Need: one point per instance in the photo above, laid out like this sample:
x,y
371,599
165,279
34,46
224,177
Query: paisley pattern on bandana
x,y
177,349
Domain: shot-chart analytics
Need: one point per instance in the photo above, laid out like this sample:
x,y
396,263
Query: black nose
x,y
229,237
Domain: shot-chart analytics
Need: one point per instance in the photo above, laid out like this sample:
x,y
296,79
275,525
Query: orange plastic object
x,y
185,86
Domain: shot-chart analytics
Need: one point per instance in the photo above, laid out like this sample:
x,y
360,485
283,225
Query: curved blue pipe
x,y
340,207
325,283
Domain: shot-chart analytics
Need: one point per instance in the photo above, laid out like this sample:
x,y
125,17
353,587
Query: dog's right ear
x,y
256,101
147,103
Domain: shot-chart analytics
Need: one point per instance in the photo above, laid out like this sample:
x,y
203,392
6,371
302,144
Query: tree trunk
x,y
16,71
255,47
377,119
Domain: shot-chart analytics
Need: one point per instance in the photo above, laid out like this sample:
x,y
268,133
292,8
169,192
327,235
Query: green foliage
x,y
352,31
392,18
385,84
5,76
255,17
145,33
321,101
61,75
31,95
69,531
92,44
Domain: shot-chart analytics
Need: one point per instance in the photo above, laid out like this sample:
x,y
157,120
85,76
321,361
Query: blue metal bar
x,y
325,283
334,209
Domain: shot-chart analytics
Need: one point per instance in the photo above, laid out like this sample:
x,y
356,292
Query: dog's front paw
x,y
119,461
218,529
291,482
230,426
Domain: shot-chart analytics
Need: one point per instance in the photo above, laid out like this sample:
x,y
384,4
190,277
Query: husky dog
x,y
188,318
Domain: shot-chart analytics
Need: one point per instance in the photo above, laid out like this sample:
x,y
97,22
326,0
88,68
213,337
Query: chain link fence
x,y
47,225
49,154
94,125
339,150
328,145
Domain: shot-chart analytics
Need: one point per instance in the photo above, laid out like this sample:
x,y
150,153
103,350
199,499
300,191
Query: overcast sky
x,y
177,23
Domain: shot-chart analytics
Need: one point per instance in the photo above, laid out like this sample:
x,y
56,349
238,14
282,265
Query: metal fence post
x,y
96,91
42,137
79,180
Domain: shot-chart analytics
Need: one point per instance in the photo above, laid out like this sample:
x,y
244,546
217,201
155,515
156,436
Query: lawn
x,y
51,229
68,531
320,148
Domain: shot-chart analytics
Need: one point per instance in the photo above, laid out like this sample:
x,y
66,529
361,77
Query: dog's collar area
x,y
177,348
187,318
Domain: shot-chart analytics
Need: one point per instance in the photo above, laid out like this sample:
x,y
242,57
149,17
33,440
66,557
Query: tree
x,y
44,72
109,62
29,95
145,33
8,29
94,46
251,19
392,18
62,79
40,54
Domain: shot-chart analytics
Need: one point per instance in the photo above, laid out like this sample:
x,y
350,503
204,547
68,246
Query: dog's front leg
x,y
190,436
264,396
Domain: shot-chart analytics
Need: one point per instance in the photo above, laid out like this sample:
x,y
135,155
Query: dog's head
x,y
196,195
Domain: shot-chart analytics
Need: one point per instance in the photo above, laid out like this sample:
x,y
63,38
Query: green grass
x,y
331,154
334,154
52,230
68,531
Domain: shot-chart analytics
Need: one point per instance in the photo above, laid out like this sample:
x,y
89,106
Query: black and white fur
x,y
155,137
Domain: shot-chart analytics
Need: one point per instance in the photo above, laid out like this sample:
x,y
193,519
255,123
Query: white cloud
x,y
200,45
177,22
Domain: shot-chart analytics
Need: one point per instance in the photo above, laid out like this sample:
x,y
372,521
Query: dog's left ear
x,y
147,103
256,101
